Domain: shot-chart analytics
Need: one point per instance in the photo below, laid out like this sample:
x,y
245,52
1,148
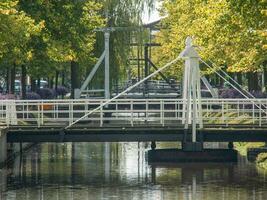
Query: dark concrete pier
x,y
180,155
3,146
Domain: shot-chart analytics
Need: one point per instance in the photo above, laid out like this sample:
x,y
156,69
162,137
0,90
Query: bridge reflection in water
x,y
87,171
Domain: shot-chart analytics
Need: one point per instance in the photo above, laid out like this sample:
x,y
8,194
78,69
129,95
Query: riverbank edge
x,y
261,160
9,153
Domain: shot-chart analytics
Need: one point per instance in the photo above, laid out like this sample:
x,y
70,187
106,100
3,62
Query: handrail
x,y
134,112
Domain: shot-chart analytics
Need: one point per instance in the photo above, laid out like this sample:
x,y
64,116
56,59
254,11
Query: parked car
x,y
43,83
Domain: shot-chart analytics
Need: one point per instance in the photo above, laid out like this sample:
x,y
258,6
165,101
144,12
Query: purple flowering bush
x,y
229,94
206,94
61,91
258,94
46,93
32,96
234,94
7,96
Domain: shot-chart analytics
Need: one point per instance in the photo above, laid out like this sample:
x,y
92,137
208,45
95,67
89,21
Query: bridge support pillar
x,y
230,145
3,147
153,145
3,185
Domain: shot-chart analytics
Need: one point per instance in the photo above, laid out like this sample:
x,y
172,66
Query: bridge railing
x,y
235,111
129,112
120,112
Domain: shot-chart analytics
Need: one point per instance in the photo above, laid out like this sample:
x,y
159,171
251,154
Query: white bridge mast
x,y
192,110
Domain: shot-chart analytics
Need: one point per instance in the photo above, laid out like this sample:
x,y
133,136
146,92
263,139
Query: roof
x,y
153,25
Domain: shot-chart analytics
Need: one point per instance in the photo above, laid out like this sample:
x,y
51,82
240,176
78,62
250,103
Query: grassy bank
x,y
242,147
262,160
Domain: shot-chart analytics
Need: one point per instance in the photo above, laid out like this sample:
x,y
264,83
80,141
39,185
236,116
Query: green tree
x,y
16,32
68,36
254,16
127,14
222,34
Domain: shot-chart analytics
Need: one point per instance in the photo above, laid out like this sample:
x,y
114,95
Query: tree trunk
x,y
75,82
12,79
8,80
63,79
23,81
239,78
249,81
231,80
265,73
39,83
51,82
33,85
253,81
56,80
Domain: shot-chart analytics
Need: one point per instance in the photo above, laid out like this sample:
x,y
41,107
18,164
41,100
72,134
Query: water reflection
x,y
120,171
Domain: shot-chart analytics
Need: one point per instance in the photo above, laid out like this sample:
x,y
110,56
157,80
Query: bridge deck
x,y
216,133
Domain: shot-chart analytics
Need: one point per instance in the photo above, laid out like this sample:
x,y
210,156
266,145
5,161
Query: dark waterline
x,y
120,171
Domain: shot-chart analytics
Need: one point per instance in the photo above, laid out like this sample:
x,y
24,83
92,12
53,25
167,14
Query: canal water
x,y
120,171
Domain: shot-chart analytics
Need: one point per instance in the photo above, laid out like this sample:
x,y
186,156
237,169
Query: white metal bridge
x,y
130,112
117,119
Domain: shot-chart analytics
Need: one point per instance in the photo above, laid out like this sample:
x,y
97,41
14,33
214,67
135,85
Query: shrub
x,y
258,94
233,94
229,94
32,95
262,160
206,94
61,90
46,93
7,96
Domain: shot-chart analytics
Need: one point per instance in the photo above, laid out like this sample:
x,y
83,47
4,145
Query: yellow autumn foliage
x,y
222,35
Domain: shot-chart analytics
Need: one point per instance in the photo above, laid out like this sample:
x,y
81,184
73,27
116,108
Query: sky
x,y
154,15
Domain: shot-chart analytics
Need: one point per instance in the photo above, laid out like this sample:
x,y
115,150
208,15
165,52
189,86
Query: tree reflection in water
x,y
120,171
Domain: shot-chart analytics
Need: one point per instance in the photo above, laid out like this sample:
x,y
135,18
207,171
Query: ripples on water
x,y
120,171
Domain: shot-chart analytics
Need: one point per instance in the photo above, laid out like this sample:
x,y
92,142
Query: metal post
x,y
38,115
42,113
146,68
161,112
107,87
188,109
199,103
194,105
185,81
260,115
253,113
101,115
222,111
131,113
138,64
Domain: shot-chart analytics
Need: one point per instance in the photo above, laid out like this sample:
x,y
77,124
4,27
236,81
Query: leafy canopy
x,y
222,34
16,31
